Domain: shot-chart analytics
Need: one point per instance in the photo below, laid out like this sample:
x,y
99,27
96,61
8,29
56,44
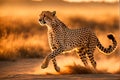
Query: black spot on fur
x,y
110,47
110,36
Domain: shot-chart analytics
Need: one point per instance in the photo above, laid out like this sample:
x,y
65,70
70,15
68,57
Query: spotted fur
x,y
62,39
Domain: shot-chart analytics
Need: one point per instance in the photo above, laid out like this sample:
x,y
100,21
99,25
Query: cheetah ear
x,y
53,13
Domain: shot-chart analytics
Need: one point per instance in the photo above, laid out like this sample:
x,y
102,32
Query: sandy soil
x,y
63,77
29,69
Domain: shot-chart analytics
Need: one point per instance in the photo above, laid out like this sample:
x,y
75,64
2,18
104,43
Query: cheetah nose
x,y
40,19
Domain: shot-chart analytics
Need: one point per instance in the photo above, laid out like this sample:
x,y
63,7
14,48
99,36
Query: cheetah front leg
x,y
57,68
53,47
51,56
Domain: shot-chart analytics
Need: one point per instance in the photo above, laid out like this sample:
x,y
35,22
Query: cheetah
x,y
62,39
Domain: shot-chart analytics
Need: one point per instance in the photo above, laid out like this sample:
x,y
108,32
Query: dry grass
x,y
107,25
22,39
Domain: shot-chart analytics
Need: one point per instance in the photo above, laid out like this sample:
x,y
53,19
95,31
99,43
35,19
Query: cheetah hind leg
x,y
93,62
82,54
84,60
57,68
91,58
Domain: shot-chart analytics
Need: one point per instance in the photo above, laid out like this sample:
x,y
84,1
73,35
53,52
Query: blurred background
x,y
21,36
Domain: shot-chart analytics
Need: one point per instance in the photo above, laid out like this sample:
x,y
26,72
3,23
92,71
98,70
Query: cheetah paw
x,y
57,69
44,65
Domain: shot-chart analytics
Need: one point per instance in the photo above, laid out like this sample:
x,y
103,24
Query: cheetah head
x,y
46,17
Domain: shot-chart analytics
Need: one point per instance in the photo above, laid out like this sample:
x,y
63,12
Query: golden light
x,y
111,1
36,0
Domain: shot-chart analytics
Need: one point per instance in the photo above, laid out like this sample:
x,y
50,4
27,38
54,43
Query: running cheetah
x,y
62,39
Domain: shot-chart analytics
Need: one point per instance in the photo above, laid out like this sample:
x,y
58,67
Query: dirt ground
x,y
29,69
63,77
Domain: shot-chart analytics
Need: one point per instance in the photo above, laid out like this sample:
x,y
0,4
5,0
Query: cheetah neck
x,y
61,24
57,26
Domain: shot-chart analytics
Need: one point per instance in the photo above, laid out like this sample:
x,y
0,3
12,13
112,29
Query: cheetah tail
x,y
111,47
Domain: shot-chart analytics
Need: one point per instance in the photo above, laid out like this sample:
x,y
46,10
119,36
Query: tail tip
x,y
110,36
